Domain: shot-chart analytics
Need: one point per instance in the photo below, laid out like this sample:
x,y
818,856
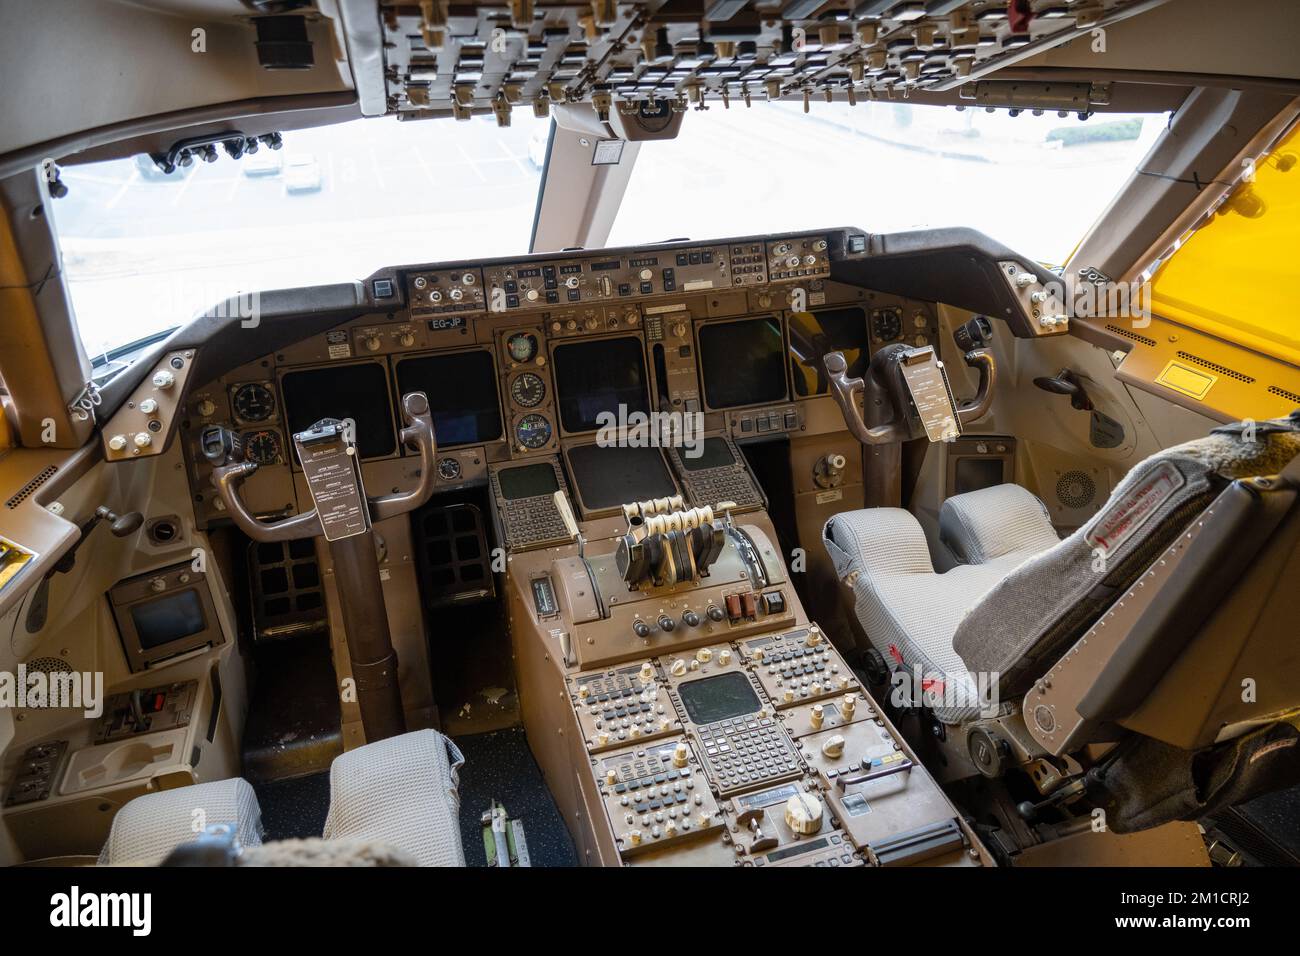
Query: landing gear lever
x,y
344,518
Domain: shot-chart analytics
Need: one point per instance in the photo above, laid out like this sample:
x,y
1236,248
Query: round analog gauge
x,y
449,469
528,390
253,403
522,347
262,447
886,325
533,431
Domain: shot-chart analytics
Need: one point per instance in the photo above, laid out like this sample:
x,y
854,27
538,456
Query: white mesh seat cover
x,y
909,612
151,826
401,792
980,526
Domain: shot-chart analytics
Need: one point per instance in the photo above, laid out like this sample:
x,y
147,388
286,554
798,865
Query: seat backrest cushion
x,y
403,792
1036,613
148,828
982,525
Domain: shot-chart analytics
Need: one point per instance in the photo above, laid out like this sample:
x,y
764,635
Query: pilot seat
x,y
1148,628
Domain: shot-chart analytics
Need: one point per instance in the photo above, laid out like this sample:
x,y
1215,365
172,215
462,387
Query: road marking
x,y
130,181
469,161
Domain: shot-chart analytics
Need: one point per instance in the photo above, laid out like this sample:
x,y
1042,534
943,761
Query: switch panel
x,y
143,426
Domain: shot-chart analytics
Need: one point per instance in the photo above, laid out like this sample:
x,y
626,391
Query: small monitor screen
x,y
462,390
974,474
358,392
611,476
814,334
600,376
168,619
717,698
715,454
743,362
528,481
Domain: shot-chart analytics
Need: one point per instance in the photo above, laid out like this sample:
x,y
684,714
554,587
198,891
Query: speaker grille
x,y
1130,334
1075,489
1283,393
1216,367
25,491
49,665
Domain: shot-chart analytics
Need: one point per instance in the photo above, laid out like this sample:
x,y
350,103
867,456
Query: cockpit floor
x,y
500,766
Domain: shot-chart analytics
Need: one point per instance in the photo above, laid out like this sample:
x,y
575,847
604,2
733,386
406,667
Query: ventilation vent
x,y
25,492
1215,367
1291,396
1130,334
48,665
1075,489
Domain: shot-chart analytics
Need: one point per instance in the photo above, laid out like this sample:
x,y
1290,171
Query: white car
x,y
537,145
302,174
265,162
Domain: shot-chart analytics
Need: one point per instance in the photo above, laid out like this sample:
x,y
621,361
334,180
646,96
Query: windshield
x,y
144,252
1034,183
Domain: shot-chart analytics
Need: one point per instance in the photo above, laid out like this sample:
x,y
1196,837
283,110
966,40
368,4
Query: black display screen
x,y
743,362
715,454
595,377
168,619
358,392
719,697
462,391
610,476
528,481
814,334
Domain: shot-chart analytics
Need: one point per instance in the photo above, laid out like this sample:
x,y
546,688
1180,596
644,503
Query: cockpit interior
x,y
712,434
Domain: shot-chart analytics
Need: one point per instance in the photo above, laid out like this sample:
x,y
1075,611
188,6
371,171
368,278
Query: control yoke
x,y
228,476
344,519
908,390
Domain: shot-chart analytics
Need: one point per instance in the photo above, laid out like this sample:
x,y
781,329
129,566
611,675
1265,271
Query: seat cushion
x,y
909,612
401,792
151,826
982,525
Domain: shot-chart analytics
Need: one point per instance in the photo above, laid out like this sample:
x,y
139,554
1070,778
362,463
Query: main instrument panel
x,y
526,359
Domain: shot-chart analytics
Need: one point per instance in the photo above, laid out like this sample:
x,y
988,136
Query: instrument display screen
x,y
462,391
743,362
715,454
814,334
168,618
718,698
599,376
359,392
527,481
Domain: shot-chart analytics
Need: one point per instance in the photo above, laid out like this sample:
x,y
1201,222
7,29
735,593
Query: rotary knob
x,y
647,673
456,295
632,837
645,275
117,442
704,655
406,339
372,343
814,637
681,755
571,282
724,656
149,406
583,692
817,717
163,379
833,746
803,814
848,705
207,407
143,440
611,777
678,667
602,738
